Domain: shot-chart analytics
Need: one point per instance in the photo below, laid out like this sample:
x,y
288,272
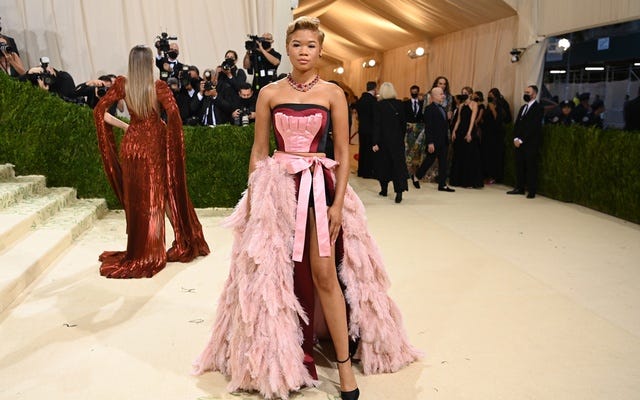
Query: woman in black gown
x,y
466,165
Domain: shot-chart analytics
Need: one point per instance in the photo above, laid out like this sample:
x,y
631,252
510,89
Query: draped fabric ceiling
x,y
359,28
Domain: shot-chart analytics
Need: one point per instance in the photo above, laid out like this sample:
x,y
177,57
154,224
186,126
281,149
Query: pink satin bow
x,y
294,164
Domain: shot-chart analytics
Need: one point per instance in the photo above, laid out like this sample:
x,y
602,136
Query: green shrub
x,y
41,134
596,168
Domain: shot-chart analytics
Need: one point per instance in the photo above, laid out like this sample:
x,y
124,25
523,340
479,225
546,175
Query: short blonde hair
x,y
302,23
387,91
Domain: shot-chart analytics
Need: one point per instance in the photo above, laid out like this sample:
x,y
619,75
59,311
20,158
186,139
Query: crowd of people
x,y
219,95
402,139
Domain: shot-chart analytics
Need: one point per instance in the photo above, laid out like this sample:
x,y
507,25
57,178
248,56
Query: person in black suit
x,y
528,136
365,107
632,114
437,129
413,106
168,63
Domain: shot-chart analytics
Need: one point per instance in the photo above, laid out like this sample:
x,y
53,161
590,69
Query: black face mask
x,y
463,97
526,97
490,99
245,102
172,54
414,95
195,83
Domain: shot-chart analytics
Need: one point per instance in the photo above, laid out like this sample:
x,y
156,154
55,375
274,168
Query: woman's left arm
x,y
474,112
340,122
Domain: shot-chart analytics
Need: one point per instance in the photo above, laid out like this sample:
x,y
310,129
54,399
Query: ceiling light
x,y
564,44
369,64
515,54
339,70
418,52
594,68
558,71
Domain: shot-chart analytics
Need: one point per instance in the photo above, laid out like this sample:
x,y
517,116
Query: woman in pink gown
x,y
302,254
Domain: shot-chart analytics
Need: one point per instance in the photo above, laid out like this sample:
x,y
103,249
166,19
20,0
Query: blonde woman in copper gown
x,y
148,175
300,237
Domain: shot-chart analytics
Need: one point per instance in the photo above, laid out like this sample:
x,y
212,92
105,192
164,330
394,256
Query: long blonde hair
x,y
140,87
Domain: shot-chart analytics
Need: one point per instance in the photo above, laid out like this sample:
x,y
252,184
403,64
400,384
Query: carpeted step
x,y
27,259
7,171
19,218
15,189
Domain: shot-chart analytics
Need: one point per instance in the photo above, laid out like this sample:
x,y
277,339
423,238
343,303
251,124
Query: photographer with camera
x,y
50,79
244,106
212,108
10,61
185,87
261,60
229,74
167,57
93,90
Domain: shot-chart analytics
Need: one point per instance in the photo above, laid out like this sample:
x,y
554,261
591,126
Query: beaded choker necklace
x,y
302,87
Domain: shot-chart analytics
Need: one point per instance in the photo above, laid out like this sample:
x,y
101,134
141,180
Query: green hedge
x,y
596,168
41,134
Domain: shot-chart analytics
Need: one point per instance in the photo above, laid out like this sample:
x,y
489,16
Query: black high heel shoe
x,y
350,395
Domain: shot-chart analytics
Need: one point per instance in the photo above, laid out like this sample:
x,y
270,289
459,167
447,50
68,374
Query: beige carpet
x,y
509,298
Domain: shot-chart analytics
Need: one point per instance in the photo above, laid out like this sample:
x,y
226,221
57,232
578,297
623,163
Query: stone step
x,y
21,264
7,171
19,218
15,189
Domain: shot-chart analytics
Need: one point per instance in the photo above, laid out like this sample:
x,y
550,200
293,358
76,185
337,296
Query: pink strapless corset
x,y
301,127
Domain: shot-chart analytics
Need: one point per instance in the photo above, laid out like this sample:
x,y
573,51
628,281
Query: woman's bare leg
x,y
325,279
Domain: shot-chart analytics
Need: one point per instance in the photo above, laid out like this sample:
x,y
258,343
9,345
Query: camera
x,y
208,85
6,48
252,44
162,42
102,90
183,76
228,64
243,117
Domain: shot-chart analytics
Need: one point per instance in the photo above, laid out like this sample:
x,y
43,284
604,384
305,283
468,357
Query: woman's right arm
x,y
262,127
113,121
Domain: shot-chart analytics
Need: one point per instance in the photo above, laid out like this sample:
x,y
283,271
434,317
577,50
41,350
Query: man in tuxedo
x,y
437,129
168,63
365,107
528,136
413,106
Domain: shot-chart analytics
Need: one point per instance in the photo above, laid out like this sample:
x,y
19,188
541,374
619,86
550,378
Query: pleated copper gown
x,y
149,178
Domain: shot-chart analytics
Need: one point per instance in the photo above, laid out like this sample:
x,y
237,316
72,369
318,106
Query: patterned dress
x,y
148,176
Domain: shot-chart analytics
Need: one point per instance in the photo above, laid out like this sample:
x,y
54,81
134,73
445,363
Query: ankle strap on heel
x,y
343,361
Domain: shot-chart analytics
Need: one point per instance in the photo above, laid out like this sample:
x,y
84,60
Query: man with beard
x,y
244,106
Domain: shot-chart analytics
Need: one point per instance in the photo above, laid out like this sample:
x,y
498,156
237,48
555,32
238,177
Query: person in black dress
x,y
466,167
492,144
